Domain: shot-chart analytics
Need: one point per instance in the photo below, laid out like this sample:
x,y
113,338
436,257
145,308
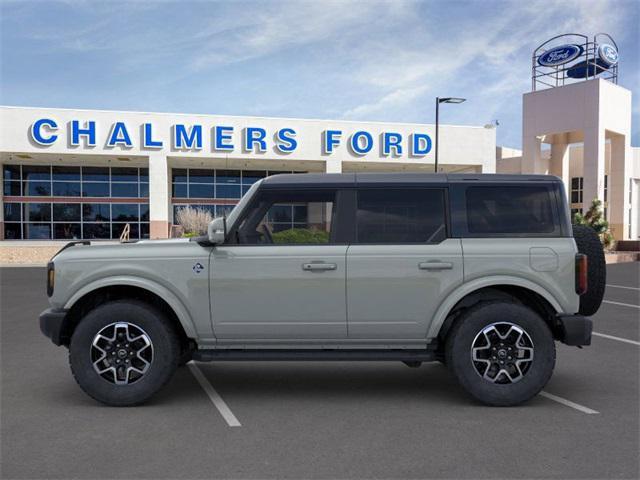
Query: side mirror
x,y
218,230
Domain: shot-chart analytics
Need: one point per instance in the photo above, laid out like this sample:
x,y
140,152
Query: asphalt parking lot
x,y
321,420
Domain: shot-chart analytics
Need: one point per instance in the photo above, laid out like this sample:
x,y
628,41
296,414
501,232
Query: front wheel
x,y
123,352
502,353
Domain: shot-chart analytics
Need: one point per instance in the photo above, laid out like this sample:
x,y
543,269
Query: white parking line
x,y
619,339
568,403
217,400
621,304
622,286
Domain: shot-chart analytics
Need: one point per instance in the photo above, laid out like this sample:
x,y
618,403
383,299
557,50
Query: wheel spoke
x,y
121,353
502,352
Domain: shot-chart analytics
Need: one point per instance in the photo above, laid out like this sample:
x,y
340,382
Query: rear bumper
x,y
575,330
52,325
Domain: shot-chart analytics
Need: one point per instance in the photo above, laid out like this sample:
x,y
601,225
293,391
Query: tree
x,y
594,218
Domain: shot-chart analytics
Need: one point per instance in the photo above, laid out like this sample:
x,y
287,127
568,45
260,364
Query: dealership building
x,y
86,174
91,174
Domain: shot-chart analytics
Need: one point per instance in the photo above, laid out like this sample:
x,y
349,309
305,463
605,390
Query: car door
x,y
283,275
402,264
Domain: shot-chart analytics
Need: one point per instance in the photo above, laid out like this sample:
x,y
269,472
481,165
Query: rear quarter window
x,y
511,210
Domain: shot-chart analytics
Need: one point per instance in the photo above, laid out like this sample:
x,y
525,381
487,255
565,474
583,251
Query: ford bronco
x,y
480,272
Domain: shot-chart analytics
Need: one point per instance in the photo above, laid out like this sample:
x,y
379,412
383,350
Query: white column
x,y
531,154
559,161
159,195
593,166
619,186
333,166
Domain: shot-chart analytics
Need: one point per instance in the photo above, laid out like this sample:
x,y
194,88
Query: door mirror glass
x,y
218,230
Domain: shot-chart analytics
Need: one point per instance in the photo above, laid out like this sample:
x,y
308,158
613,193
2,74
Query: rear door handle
x,y
318,267
435,265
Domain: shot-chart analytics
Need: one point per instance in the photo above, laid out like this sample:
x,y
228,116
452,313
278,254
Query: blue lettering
x,y
119,136
286,141
147,138
392,140
36,131
421,144
330,140
186,139
222,137
255,135
89,131
356,145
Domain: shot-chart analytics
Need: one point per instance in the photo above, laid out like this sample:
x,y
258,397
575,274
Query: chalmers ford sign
x,y
195,137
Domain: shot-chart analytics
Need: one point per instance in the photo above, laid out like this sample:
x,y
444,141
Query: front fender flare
x,y
466,288
174,302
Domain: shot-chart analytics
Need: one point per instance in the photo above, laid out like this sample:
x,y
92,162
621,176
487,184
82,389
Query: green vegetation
x,y
594,218
301,235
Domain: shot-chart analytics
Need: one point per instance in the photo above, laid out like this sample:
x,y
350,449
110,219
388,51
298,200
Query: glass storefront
x,y
215,190
43,202
60,202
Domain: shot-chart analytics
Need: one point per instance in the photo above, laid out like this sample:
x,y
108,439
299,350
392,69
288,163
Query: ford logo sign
x,y
560,55
608,54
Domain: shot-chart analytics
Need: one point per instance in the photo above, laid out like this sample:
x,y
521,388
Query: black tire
x,y
165,352
468,327
588,242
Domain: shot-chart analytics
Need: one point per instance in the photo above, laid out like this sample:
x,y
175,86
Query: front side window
x,y
303,218
401,216
510,210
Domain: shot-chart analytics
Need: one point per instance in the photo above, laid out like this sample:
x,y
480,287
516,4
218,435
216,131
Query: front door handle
x,y
318,267
435,265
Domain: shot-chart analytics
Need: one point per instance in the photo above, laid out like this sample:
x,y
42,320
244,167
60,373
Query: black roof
x,y
306,180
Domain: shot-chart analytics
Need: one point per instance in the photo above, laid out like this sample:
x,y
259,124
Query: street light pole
x,y
438,102
435,168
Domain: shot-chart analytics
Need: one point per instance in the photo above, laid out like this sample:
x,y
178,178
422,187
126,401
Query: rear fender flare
x,y
466,288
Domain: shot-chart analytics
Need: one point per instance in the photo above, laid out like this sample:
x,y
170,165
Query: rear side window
x,y
510,210
400,216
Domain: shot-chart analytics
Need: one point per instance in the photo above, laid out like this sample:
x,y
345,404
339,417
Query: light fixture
x,y
440,100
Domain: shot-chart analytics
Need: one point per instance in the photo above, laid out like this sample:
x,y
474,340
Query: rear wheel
x,y
502,353
123,352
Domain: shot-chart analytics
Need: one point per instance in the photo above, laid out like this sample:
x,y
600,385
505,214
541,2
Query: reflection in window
x,y
401,216
509,210
292,218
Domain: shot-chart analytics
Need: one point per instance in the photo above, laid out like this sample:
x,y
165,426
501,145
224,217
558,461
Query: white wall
x,y
458,144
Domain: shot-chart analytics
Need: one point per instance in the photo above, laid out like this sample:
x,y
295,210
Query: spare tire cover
x,y
588,242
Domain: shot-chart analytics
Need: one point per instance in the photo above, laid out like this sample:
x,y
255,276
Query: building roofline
x,y
19,107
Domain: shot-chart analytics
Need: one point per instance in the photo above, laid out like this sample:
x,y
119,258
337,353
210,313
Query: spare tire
x,y
589,244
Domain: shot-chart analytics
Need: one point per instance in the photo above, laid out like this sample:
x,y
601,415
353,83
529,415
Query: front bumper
x,y
575,330
52,325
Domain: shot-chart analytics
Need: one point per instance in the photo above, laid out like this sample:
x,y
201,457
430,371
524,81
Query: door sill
x,y
402,355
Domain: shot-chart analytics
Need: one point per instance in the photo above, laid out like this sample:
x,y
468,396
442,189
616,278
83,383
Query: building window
x,y
209,188
574,211
577,184
75,202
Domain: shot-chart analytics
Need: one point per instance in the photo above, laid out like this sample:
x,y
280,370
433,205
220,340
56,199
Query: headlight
x,y
51,278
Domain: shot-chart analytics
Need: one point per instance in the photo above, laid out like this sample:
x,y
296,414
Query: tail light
x,y
51,278
581,274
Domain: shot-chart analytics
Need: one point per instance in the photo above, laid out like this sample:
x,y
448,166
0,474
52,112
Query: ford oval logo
x,y
608,54
560,55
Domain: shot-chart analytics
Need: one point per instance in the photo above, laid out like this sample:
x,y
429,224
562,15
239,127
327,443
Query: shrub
x,y
301,235
594,218
194,221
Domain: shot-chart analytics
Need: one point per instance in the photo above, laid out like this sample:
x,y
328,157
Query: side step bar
x,y
422,355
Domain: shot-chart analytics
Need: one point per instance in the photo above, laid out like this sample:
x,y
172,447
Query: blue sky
x,y
355,60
